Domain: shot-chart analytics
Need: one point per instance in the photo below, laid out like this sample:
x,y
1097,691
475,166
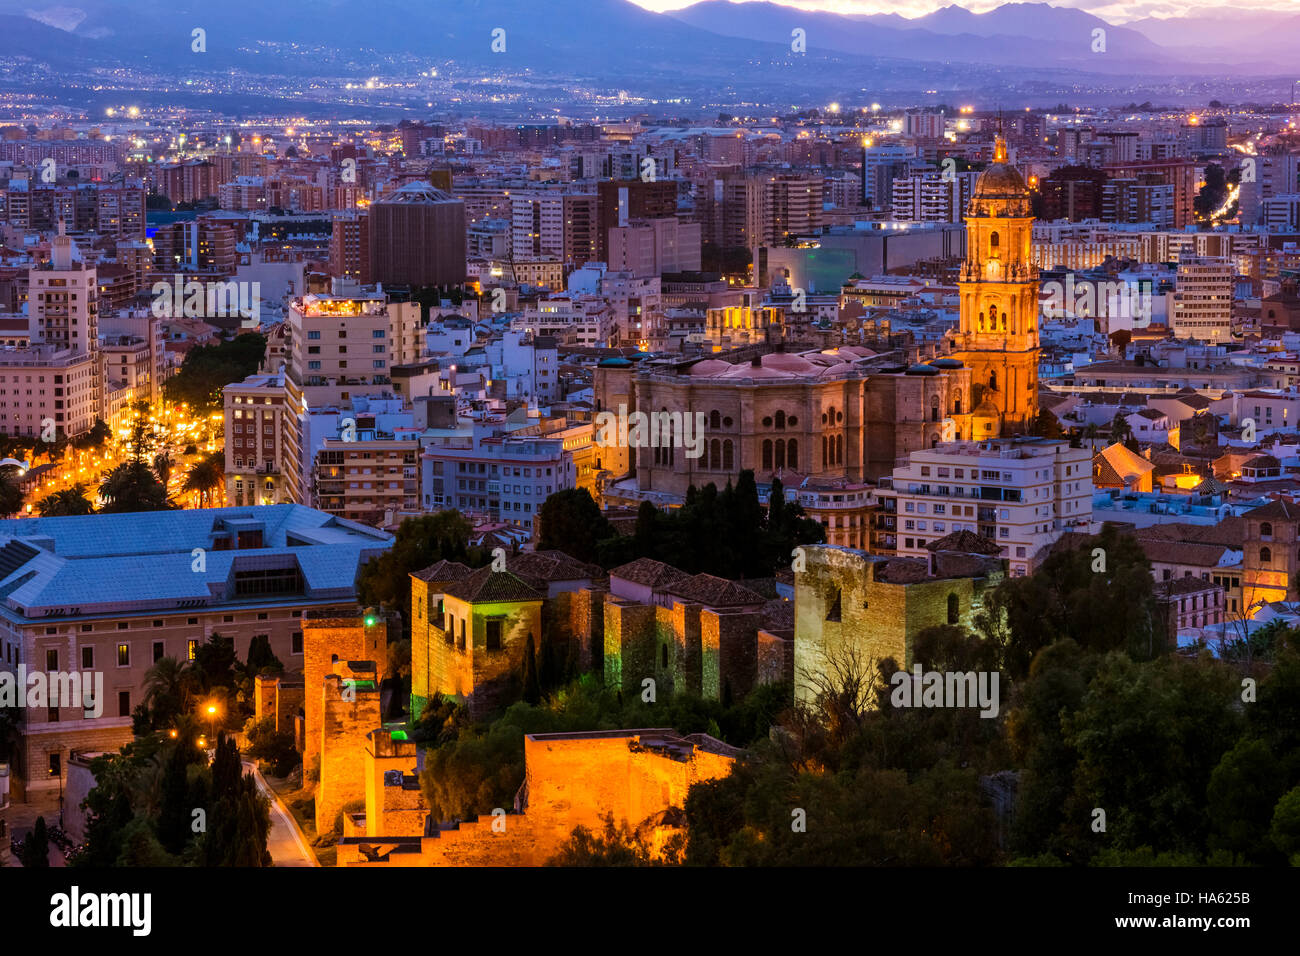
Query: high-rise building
x,y
344,344
792,206
264,434
621,201
651,247
417,237
998,290
190,181
367,469
1145,198
504,477
65,299
1202,301
932,196
1071,192
881,165
923,124
1178,173
350,247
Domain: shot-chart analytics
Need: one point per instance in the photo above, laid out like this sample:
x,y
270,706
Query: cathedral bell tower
x,y
998,334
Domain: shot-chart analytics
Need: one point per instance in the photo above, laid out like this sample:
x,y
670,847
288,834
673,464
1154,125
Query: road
x,y
285,841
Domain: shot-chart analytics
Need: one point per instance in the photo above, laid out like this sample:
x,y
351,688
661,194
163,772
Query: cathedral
x,y
997,338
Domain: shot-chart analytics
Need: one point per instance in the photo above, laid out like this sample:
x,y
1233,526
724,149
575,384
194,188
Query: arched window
x,y
839,449
954,605
934,408
715,420
780,453
1265,556
728,457
715,454
792,452
956,404
1266,529
993,240
934,441
767,454
826,458
993,381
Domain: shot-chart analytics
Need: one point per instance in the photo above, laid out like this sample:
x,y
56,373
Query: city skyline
x,y
491,436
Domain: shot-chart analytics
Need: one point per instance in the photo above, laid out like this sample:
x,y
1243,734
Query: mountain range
x,y
716,50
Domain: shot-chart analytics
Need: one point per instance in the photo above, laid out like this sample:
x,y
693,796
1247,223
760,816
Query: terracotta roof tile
x,y
443,571
486,586
648,572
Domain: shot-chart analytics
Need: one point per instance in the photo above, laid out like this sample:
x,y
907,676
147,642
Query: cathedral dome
x,y
1002,181
1000,191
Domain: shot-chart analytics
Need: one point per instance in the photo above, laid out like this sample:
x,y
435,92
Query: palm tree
x,y
207,475
132,486
66,501
169,687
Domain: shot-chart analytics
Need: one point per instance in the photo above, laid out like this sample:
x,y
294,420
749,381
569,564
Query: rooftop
x,y
79,566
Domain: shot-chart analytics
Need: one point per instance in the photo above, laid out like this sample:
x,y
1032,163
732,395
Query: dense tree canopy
x,y
207,369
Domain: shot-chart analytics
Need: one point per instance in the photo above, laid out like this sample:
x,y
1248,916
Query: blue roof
x,y
147,561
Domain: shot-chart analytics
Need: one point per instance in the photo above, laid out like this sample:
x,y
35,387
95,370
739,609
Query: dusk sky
x,y
1116,11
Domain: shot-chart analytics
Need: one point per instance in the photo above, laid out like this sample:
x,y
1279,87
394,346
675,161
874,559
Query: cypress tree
x,y
36,848
532,689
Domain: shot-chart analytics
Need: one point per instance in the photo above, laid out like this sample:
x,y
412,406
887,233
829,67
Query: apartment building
x,y
367,470
344,344
1023,493
504,477
264,416
1202,300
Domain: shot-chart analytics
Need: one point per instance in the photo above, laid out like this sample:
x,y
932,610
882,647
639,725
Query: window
x,y
493,639
1265,555
191,649
56,764
835,606
124,655
159,651
87,658
51,660
124,703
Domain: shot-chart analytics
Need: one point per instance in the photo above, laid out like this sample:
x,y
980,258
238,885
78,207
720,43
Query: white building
x,y
1023,493
505,478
